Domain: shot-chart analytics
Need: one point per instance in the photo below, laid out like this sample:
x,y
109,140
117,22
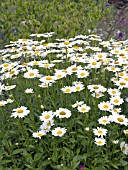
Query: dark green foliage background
x,y
67,18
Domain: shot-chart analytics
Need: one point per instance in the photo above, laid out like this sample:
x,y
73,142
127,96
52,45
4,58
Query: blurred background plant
x,y
67,18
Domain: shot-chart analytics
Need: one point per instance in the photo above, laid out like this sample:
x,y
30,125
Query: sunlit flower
x,y
45,85
97,95
67,89
47,116
125,132
82,74
100,141
73,69
77,104
116,100
105,106
96,88
46,65
78,87
115,141
48,79
121,83
9,100
113,92
59,131
120,119
63,113
100,132
83,108
115,110
31,73
38,134
104,120
20,112
124,148
10,87
87,128
29,91
3,103
60,74
113,69
94,64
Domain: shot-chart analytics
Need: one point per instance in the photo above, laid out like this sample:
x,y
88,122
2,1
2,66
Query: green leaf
x,y
5,161
17,151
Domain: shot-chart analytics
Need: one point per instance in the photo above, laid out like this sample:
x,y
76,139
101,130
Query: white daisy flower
x,y
67,89
104,120
124,148
28,91
105,106
100,132
77,104
38,134
59,131
120,119
100,141
20,112
83,108
63,113
47,116
31,73
116,100
114,92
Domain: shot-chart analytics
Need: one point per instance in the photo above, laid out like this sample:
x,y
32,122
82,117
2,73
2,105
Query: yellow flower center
x,y
67,90
45,45
122,83
95,87
74,69
6,65
75,47
49,78
62,113
112,68
105,106
35,63
116,62
104,121
39,134
47,117
77,88
82,74
99,142
121,74
20,111
59,132
46,65
1,104
126,79
120,119
11,72
121,54
83,109
66,43
100,131
94,63
48,124
116,101
113,92
59,76
31,74
100,56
